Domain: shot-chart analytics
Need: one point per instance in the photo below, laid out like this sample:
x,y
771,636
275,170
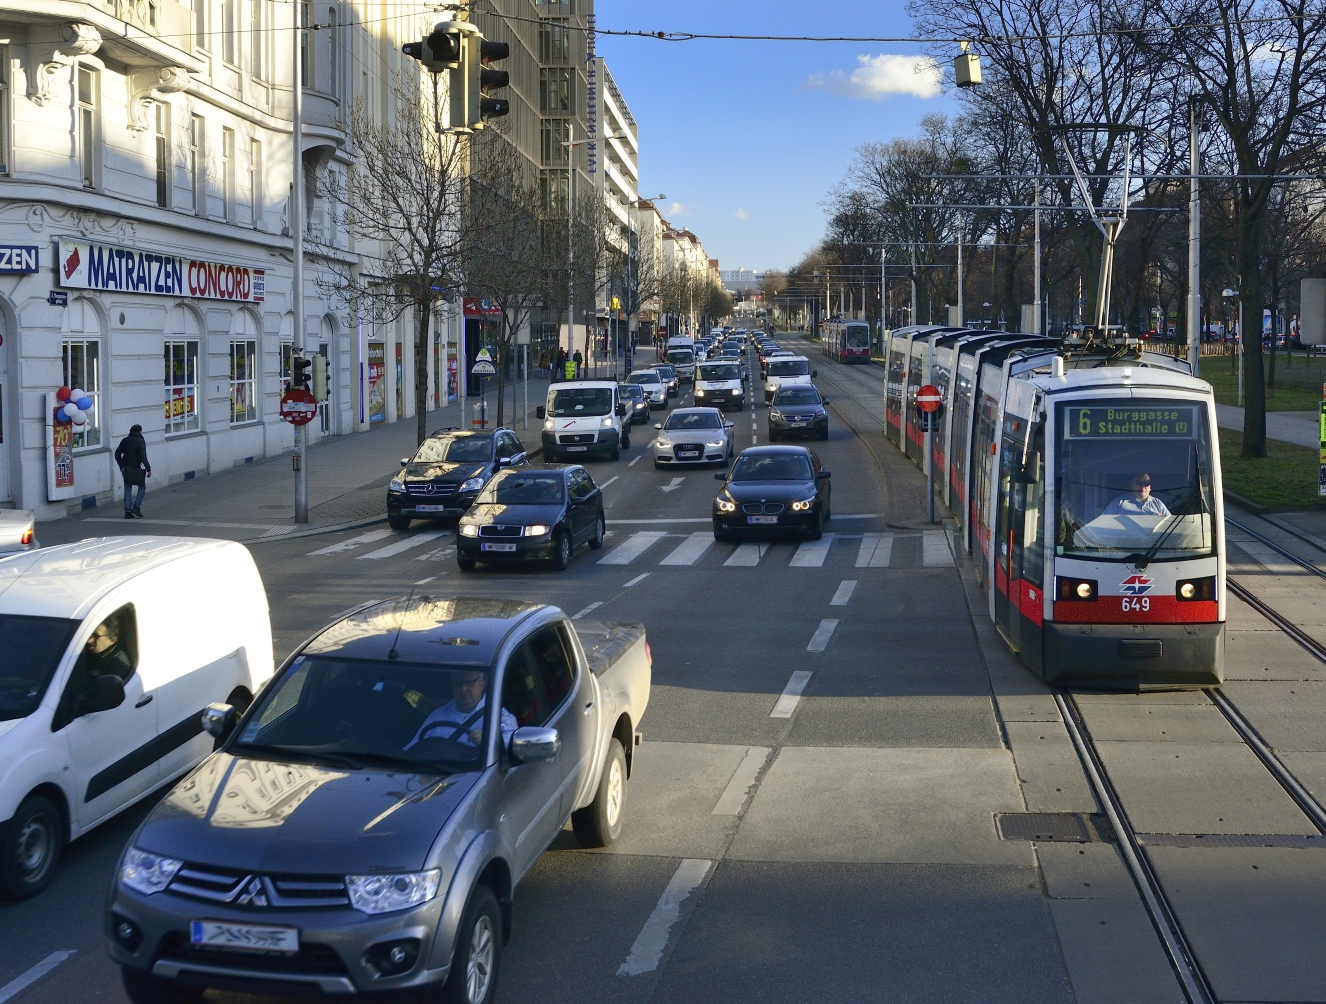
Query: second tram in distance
x,y
847,341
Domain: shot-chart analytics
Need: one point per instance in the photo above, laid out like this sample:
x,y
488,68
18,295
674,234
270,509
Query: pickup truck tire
x,y
478,957
30,848
144,988
599,824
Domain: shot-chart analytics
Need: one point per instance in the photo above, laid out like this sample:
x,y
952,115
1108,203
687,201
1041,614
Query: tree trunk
x,y
1254,380
421,348
501,373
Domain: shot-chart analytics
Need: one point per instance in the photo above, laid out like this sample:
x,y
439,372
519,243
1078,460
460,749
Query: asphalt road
x,y
811,816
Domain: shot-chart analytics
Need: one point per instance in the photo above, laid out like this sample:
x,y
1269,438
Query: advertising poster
x,y
451,378
377,385
400,381
88,265
59,454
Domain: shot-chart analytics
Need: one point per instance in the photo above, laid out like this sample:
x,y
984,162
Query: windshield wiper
x,y
395,760
314,756
1181,508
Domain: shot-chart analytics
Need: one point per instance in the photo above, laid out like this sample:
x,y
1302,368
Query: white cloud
x,y
741,214
880,75
677,209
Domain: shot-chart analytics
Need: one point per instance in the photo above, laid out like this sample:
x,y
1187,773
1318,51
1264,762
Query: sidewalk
x,y
347,481
1302,428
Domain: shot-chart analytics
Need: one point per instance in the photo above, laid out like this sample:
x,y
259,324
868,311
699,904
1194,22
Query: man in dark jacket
x,y
131,455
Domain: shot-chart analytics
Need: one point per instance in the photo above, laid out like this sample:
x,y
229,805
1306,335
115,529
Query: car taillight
x,y
27,536
649,654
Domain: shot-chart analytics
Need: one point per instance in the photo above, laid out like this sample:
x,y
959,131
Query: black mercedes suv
x,y
446,473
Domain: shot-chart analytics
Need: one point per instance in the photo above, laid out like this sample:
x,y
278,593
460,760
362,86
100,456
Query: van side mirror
x,y
219,720
814,374
720,476
540,412
105,693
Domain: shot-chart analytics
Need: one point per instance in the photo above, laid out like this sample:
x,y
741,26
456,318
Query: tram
x,y
847,341
1087,485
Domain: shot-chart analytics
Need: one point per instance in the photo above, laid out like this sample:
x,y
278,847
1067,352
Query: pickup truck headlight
x,y
547,425
472,485
385,893
771,387
804,504
469,530
146,872
724,505
536,530
397,485
606,423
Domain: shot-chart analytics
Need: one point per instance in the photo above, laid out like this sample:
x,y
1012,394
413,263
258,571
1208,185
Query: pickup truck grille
x,y
246,889
581,438
768,508
499,530
312,959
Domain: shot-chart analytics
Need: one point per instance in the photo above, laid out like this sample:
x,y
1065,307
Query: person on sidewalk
x,y
131,456
580,362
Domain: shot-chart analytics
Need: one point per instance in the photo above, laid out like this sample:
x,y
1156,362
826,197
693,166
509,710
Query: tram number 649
x,y
1136,603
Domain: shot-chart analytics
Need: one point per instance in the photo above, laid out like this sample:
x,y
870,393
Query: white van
x,y
783,371
680,355
112,647
584,418
719,384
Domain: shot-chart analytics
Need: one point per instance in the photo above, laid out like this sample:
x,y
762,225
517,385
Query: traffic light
x,y
440,50
299,371
481,79
319,377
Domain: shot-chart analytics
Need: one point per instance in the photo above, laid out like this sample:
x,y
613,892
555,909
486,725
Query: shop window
x,y
181,390
287,364
82,369
243,382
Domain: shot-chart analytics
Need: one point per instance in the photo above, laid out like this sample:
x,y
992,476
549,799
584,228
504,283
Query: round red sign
x,y
928,398
298,406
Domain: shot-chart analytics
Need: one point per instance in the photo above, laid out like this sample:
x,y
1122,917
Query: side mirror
x,y
503,461
106,692
814,374
405,461
1031,470
540,412
219,720
534,745
658,425
822,476
728,425
720,476
825,401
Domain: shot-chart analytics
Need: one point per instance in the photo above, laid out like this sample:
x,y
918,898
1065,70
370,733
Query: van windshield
x,y
681,357
582,401
788,367
720,371
32,648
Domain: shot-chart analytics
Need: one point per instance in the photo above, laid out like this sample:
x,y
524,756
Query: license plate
x,y
430,508
246,937
506,548
688,453
796,425
762,519
576,449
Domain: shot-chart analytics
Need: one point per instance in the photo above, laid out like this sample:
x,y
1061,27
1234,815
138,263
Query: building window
x,y
554,42
87,125
287,364
333,43
243,382
555,189
4,109
82,369
554,90
200,23
255,183
553,135
305,50
228,174
198,163
257,39
228,32
181,360
162,112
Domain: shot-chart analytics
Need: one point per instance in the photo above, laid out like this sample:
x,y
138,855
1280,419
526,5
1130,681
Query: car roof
x,y
584,385
456,630
765,451
694,411
466,433
68,579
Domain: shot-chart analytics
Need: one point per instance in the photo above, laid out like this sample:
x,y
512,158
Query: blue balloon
x,y
60,416
83,404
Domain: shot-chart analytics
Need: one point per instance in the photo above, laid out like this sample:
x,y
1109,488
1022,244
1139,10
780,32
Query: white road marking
x,y
647,951
934,549
791,695
401,545
734,795
631,548
1271,560
819,641
588,610
635,461
609,481
845,590
638,579
21,982
746,556
353,542
856,515
690,550
811,553
648,522
437,555
876,550
423,582
279,531
676,483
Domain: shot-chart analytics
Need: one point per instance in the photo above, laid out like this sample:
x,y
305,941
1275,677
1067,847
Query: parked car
x,y
110,655
363,826
18,530
447,472
538,514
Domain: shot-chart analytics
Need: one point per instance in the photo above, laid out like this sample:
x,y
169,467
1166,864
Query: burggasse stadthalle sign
x,y
1170,421
88,265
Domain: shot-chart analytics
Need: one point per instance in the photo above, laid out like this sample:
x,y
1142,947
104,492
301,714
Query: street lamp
x,y
1239,341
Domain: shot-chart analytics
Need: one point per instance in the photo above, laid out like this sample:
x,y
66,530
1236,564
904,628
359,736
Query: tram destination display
x,y
1166,421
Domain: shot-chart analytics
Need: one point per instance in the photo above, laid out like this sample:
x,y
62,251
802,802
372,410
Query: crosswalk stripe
x,y
934,549
690,550
746,556
631,548
811,553
876,550
353,542
883,553
401,545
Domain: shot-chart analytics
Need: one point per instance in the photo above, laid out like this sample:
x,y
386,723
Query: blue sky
x,y
746,138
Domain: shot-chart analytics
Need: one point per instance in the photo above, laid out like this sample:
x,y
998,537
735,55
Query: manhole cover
x,y
1059,827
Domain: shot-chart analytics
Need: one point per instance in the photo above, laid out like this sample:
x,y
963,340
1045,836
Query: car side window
x,y
522,688
577,485
111,649
509,446
554,665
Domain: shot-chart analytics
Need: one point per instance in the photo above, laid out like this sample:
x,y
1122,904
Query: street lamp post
x,y
297,237
1238,343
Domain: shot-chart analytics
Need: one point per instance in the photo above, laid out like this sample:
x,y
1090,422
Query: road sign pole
x,y
297,239
930,424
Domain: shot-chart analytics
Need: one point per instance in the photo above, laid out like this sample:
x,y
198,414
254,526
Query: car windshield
x,y
32,648
683,357
788,367
523,488
797,395
772,467
693,420
455,450
1134,477
666,372
648,376
582,401
631,391
719,371
360,713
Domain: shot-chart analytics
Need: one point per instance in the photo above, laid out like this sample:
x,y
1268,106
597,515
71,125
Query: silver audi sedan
x,y
693,436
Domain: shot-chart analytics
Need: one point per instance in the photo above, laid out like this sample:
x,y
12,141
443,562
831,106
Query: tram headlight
x,y
1193,590
1076,590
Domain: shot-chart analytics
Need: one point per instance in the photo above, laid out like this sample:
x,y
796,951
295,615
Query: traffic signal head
x,y
319,377
440,50
479,78
299,371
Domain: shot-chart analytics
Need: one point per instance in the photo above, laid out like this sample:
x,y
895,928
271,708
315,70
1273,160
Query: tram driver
x,y
1139,501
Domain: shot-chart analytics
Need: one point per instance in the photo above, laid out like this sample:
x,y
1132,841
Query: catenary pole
x,y
297,233
1194,245
1039,323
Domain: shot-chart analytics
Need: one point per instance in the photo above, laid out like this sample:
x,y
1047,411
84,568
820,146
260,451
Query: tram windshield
x,y
858,336
1133,478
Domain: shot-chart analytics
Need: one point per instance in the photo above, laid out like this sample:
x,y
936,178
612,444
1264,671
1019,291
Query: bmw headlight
x,y
606,423
548,425
385,893
146,872
397,485
469,530
804,504
724,505
536,530
471,485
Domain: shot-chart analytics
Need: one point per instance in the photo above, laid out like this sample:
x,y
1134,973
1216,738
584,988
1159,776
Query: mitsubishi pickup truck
x,y
362,826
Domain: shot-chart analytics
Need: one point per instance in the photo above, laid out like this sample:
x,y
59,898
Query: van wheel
x,y
239,699
616,453
626,441
478,958
599,824
144,988
399,523
31,848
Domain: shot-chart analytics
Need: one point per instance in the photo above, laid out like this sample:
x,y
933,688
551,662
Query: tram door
x,y
1019,529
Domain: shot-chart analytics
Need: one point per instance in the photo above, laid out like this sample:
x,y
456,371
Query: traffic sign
x,y
298,406
928,398
483,367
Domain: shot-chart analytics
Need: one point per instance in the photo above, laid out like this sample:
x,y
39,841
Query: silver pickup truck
x,y
361,827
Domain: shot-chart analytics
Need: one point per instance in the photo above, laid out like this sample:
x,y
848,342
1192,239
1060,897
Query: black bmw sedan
x,y
446,473
637,404
798,410
532,514
778,489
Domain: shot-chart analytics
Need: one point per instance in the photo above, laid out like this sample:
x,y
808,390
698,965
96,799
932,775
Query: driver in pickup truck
x,y
461,718
1139,502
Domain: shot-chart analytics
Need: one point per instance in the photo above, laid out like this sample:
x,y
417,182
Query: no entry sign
x,y
298,406
928,398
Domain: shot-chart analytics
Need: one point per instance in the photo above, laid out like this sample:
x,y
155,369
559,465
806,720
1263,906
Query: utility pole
x,y
1038,324
1194,244
960,310
297,233
912,320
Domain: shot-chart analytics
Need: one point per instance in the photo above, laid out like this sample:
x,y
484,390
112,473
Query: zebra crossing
x,y
927,549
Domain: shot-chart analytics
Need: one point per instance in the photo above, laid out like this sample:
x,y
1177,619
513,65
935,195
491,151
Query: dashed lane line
x,y
424,582
636,581
647,951
610,480
791,695
734,795
352,543
635,461
819,641
21,982
844,593
588,610
391,550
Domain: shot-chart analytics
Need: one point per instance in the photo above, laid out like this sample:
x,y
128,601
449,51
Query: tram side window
x,y
981,466
1033,496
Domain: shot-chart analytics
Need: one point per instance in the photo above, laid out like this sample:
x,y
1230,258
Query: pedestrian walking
x,y
131,456
543,362
579,361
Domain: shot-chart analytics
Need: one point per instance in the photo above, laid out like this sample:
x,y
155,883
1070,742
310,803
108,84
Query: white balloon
x,y
70,410
77,394
78,418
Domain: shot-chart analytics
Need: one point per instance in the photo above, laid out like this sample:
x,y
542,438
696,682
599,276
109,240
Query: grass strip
x,y
1286,477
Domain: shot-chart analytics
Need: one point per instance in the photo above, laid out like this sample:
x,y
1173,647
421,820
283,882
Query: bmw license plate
x,y
430,508
576,449
761,520
503,548
245,937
